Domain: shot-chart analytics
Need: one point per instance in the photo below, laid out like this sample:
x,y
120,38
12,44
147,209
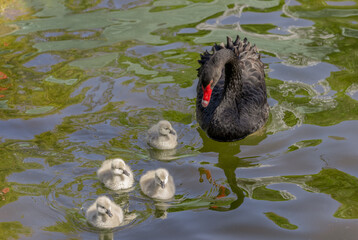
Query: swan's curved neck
x,y
226,60
227,63
233,82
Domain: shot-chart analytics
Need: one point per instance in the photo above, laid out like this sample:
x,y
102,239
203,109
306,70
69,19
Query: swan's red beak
x,y
207,95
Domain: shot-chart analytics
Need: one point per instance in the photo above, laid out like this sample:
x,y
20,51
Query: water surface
x,y
81,82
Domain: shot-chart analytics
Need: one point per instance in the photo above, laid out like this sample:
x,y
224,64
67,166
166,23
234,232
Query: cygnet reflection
x,y
163,155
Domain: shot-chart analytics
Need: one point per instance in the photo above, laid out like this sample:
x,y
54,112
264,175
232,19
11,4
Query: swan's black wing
x,y
254,110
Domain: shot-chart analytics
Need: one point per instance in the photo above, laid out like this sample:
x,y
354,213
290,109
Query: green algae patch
x,y
280,221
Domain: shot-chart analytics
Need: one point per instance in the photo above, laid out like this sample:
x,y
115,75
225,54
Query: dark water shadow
x,y
228,161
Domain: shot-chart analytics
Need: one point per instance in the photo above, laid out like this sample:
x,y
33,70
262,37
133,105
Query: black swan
x,y
231,98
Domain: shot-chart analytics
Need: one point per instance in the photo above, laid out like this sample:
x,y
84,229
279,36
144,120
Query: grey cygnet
x,y
162,136
115,174
104,213
158,184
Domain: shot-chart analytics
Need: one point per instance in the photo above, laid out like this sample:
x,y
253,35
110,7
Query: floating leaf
x,y
305,143
337,138
7,29
1,96
349,32
161,79
98,61
3,88
3,104
14,230
39,110
280,221
138,69
290,118
61,81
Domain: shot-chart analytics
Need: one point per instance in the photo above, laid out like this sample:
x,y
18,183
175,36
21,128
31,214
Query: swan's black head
x,y
209,77
211,73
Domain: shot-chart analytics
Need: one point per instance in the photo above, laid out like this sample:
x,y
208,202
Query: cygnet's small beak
x,y
172,131
162,185
125,172
109,213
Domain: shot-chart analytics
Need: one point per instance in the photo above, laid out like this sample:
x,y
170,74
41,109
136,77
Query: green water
x,y
82,81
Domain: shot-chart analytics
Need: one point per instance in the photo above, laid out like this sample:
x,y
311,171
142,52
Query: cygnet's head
x,y
103,205
118,166
161,177
165,128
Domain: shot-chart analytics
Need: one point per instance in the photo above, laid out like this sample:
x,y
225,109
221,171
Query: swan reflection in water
x,y
228,161
231,104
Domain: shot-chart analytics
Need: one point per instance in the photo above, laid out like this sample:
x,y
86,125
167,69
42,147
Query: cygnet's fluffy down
x,y
104,213
115,174
162,136
158,184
